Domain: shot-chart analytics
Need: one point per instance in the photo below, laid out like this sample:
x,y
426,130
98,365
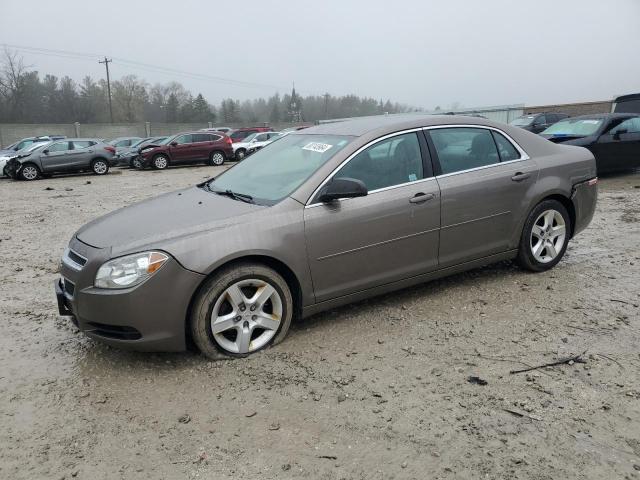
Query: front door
x,y
55,157
388,235
182,151
619,148
484,180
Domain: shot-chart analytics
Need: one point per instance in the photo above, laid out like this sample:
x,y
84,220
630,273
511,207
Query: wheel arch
x,y
276,264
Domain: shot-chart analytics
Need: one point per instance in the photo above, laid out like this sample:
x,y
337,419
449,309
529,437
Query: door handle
x,y
421,197
519,177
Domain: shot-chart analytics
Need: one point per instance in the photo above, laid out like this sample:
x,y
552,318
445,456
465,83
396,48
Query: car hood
x,y
177,214
569,139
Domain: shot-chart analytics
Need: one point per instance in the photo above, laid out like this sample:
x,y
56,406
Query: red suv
x,y
242,133
212,148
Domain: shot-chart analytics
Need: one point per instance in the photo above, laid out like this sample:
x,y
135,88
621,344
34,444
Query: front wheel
x,y
136,163
240,311
216,158
29,172
160,162
100,166
240,154
545,236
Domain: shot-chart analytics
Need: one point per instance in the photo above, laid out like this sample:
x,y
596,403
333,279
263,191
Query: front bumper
x,y
148,317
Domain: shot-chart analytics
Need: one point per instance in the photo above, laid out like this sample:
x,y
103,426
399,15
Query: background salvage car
x,y
184,148
252,143
245,253
63,156
537,122
614,139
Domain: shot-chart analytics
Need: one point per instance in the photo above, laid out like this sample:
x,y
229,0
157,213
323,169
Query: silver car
x,y
321,218
63,156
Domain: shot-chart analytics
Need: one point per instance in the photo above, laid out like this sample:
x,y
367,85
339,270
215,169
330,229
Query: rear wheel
x,y
160,162
216,158
240,311
29,171
100,166
545,236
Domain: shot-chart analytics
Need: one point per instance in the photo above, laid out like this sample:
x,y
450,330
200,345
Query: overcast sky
x,y
421,52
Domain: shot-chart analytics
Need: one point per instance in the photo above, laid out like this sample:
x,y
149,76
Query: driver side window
x,y
631,125
393,161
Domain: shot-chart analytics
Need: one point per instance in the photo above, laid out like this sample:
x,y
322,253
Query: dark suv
x,y
537,122
213,148
241,133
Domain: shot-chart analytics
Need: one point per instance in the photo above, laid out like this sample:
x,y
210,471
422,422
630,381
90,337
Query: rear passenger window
x,y
394,161
464,148
80,144
505,148
201,137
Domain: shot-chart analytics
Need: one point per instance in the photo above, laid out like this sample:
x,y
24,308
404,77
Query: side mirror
x,y
343,188
619,132
46,152
173,144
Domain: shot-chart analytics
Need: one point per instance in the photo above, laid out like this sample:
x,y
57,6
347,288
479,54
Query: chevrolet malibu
x,y
323,217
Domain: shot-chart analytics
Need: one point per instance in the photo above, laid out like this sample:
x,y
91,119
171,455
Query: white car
x,y
22,152
253,142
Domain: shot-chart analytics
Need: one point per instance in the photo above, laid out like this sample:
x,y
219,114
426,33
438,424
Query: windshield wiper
x,y
243,197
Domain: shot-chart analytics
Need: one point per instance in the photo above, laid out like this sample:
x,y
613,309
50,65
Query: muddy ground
x,y
375,390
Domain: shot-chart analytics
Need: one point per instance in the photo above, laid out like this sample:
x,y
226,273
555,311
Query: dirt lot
x,y
374,390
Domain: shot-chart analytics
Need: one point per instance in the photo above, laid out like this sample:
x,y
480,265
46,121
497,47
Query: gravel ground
x,y
379,389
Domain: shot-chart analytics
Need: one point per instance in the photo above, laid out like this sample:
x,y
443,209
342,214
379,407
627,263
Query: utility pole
x,y
326,106
106,64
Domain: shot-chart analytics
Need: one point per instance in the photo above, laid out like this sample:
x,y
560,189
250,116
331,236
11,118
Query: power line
x,y
140,65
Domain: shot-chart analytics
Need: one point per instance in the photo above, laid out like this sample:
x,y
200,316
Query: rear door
x,y
388,235
183,150
81,154
202,145
484,179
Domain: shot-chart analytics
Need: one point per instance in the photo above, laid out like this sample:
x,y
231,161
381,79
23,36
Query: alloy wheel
x,y
29,172
100,167
548,236
246,316
240,154
217,159
160,162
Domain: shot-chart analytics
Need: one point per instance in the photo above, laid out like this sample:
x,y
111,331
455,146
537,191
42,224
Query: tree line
x,y
28,97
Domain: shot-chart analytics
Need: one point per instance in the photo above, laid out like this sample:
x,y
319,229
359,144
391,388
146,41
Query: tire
x,y
29,171
160,162
545,236
100,166
5,172
216,158
135,163
240,154
215,299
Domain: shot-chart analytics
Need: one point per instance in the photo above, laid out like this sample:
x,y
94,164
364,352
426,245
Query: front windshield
x,y
250,137
523,121
574,127
140,142
166,141
277,170
32,148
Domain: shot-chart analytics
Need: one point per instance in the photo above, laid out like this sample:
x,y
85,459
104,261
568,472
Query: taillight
x,y
110,149
592,182
228,140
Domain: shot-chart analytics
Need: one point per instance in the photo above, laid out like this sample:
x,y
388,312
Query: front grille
x,y
116,332
69,287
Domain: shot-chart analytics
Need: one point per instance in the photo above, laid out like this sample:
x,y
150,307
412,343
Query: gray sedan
x,y
63,156
321,218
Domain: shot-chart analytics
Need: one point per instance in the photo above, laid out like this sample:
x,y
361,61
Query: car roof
x,y
382,124
624,98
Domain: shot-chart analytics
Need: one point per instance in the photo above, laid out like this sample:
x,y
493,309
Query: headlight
x,y
128,271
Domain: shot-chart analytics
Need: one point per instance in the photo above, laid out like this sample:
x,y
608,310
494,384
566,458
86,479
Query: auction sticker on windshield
x,y
317,147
